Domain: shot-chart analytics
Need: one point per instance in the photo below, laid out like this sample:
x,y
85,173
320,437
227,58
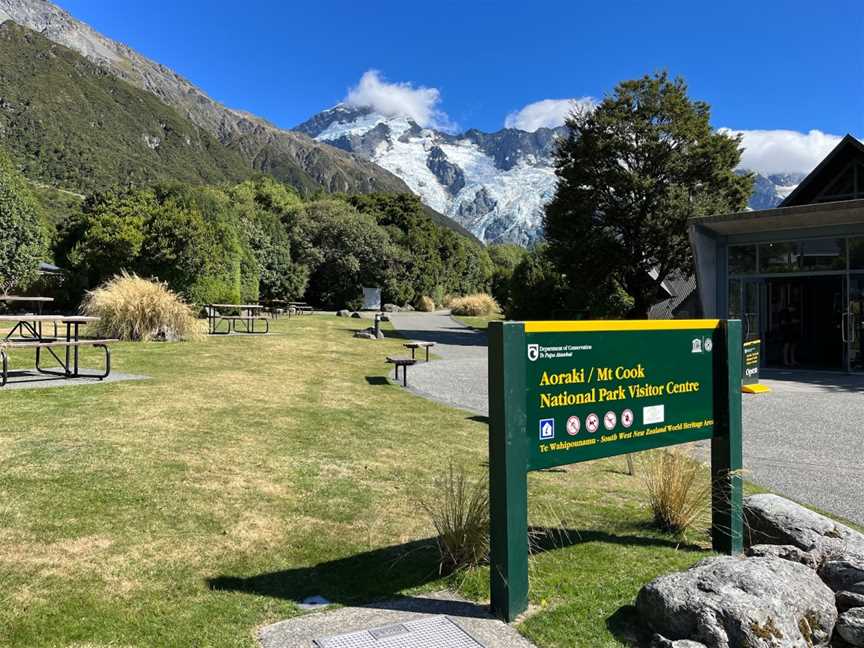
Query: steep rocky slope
x,y
290,156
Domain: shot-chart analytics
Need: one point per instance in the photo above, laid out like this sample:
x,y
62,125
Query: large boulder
x,y
343,313
729,602
850,626
391,308
772,519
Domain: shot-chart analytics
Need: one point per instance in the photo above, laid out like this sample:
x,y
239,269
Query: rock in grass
x,y
850,626
343,313
772,519
356,315
848,600
727,602
786,552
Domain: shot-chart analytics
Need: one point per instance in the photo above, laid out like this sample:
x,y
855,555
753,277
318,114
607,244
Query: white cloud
x,y
547,113
399,100
783,151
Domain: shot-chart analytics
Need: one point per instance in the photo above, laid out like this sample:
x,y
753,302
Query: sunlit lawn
x,y
479,322
250,472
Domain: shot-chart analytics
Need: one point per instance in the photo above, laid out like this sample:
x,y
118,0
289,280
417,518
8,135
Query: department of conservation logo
x,y
533,352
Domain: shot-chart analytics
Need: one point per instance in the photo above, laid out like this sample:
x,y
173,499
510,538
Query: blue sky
x,y
762,66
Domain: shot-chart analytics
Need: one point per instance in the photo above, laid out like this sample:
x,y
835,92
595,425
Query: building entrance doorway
x,y
806,322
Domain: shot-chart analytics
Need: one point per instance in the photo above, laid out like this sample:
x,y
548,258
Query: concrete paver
x,y
301,632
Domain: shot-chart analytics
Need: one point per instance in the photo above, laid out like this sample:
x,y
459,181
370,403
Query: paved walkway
x,y
804,440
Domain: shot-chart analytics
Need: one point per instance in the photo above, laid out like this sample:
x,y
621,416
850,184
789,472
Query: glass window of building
x,y
779,257
856,253
742,259
823,254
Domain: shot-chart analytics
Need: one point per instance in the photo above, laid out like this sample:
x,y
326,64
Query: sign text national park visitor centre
x,y
787,288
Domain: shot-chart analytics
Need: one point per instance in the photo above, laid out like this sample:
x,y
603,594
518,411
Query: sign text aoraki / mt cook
x,y
608,394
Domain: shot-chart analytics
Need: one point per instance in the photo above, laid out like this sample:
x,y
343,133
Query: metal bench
x,y
404,363
69,363
419,345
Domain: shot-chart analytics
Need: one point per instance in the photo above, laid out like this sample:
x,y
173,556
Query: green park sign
x,y
566,392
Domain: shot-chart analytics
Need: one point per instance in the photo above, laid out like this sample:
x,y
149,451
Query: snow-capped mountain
x,y
495,184
770,191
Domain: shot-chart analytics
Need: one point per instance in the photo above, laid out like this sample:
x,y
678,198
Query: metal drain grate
x,y
434,632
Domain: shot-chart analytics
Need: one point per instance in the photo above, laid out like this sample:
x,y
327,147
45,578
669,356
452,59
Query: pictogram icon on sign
x,y
592,422
610,420
627,418
573,425
547,429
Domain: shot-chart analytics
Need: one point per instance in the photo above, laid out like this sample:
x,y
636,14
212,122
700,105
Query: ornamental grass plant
x,y
474,305
135,309
425,304
678,489
459,510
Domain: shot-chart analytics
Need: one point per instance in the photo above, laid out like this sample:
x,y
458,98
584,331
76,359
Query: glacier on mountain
x,y
494,184
458,175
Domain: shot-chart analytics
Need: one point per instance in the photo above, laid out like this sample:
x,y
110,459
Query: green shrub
x,y
21,235
474,305
136,309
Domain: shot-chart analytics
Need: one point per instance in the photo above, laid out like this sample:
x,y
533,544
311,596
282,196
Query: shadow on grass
x,y
381,574
377,380
625,626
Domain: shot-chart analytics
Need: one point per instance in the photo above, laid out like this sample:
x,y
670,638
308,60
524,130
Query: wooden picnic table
x,y
247,317
414,345
39,301
28,333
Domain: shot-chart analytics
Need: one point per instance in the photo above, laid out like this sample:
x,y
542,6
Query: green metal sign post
x,y
566,392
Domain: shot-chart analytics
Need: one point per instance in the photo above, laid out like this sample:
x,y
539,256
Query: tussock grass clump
x,y
136,309
459,510
678,487
425,304
474,305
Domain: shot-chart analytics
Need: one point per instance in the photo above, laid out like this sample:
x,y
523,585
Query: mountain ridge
x,y
69,124
290,156
494,184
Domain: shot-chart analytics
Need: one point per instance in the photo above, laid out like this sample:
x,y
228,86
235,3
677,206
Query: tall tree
x,y
630,175
22,242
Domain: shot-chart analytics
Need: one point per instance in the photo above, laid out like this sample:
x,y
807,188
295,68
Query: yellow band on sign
x,y
620,325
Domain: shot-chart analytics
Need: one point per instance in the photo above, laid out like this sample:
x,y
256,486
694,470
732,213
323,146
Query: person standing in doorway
x,y
790,329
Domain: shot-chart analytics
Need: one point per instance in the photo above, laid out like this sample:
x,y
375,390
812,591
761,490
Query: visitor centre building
x,y
794,274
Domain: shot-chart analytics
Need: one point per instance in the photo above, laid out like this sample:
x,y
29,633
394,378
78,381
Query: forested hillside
x,y
69,124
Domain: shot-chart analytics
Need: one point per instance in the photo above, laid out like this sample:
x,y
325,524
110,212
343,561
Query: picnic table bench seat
x,y
69,369
416,344
404,362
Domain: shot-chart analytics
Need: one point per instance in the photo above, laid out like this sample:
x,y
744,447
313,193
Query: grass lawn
x,y
250,472
480,322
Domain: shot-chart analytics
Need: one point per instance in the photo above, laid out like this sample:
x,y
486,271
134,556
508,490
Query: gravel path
x,y
458,377
804,440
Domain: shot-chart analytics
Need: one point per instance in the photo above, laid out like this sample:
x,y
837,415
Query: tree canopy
x,y
630,175
21,236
